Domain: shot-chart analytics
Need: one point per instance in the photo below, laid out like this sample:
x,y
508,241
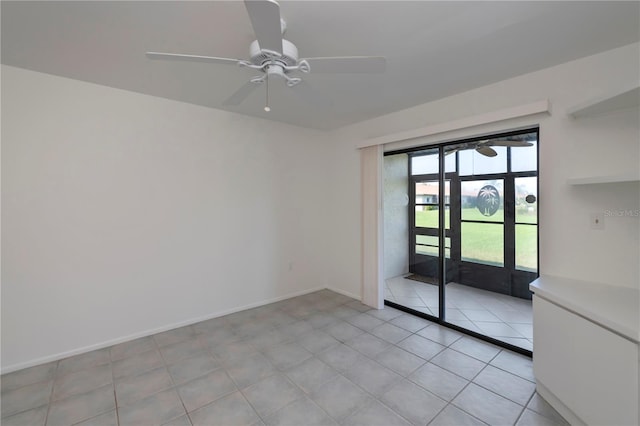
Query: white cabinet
x,y
586,359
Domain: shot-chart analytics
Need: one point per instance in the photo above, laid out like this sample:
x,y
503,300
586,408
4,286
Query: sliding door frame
x,y
442,266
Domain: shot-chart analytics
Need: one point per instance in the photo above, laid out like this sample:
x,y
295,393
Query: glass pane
x,y
450,163
432,240
483,243
425,163
482,200
428,250
432,251
427,196
473,162
429,163
525,158
526,199
427,192
527,247
428,217
427,239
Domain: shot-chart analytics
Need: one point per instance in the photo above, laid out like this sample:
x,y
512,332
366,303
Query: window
x,y
482,200
426,205
474,163
525,159
526,206
482,228
428,244
483,243
428,162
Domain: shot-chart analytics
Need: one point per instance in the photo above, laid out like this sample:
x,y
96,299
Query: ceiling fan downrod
x,y
267,108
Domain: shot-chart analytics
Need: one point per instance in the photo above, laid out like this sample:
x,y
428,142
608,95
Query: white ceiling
x,y
433,49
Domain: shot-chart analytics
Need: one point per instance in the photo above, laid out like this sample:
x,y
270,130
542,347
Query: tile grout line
x,y
415,285
174,387
113,383
525,407
304,315
402,377
49,402
284,375
489,390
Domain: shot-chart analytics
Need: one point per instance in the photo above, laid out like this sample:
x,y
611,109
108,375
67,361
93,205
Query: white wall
x,y
589,146
396,216
123,214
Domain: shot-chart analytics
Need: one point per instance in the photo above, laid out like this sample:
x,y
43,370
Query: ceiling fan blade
x,y
508,143
241,94
348,64
487,151
191,58
265,19
305,91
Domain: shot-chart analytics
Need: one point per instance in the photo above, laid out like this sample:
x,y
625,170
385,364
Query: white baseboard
x,y
345,293
564,411
106,344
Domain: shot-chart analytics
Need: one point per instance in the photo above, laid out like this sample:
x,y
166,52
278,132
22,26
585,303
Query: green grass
x,y
527,247
429,218
483,243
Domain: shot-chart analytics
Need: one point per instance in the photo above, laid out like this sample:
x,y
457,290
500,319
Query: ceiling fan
x,y
484,147
273,56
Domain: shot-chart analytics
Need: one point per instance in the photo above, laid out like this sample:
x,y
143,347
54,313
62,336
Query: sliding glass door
x,y
472,235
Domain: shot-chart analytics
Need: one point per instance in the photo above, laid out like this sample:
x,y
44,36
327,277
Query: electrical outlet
x,y
597,221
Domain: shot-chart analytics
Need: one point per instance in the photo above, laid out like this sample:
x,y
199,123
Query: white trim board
x,y
538,107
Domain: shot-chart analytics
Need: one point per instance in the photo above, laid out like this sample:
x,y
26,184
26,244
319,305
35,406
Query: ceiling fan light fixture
x,y
272,55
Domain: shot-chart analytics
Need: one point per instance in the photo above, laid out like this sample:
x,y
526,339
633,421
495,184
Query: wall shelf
x,y
627,98
591,180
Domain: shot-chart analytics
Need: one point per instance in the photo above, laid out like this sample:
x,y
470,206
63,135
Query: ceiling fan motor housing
x,y
288,58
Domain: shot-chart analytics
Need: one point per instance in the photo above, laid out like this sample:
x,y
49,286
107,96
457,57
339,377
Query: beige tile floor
x,y
500,316
318,359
